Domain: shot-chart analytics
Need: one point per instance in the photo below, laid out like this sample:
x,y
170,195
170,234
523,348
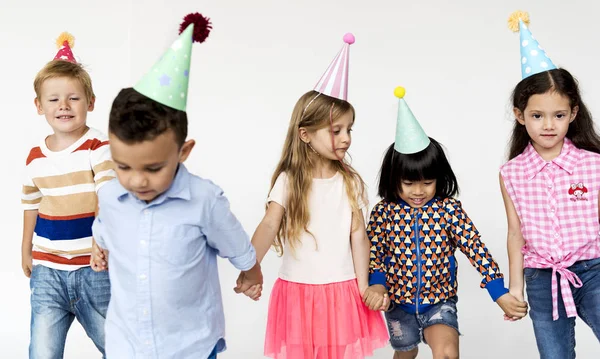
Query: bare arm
x,y
263,238
29,220
361,249
515,243
265,233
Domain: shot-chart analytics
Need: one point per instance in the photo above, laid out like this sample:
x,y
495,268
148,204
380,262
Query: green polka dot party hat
x,y
167,81
410,137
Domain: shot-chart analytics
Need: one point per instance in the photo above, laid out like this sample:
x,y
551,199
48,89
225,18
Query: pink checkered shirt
x,y
557,203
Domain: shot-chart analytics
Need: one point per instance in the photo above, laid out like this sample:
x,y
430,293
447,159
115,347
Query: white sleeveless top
x,y
324,257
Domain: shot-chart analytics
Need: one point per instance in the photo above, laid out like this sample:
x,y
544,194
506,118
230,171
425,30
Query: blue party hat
x,y
533,57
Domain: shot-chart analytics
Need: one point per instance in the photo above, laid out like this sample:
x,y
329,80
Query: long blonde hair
x,y
295,162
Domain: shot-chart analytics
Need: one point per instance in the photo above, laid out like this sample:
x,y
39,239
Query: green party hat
x,y
167,81
410,137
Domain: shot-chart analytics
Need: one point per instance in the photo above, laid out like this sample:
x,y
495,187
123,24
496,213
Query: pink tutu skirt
x,y
327,321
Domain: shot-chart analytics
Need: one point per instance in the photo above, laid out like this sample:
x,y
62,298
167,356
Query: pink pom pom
x,y
349,38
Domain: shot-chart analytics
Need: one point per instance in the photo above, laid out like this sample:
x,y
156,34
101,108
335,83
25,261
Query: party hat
x,y
334,81
167,81
410,137
533,57
65,42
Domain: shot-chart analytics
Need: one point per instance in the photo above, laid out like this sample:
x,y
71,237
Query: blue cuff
x,y
97,233
245,261
496,288
377,278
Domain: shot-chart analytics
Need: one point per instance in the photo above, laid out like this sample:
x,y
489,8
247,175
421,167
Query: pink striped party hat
x,y
334,81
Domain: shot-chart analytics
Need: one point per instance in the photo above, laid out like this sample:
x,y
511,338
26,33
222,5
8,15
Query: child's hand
x,y
27,264
99,258
254,292
248,279
376,297
514,308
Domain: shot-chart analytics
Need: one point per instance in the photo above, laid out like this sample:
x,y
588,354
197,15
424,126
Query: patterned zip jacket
x,y
412,252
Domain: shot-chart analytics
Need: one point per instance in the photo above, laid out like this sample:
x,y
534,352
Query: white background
x,y
458,61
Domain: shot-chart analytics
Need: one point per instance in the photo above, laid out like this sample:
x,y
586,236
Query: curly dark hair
x,y
136,118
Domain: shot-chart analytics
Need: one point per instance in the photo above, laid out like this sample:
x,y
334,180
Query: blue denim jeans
x,y
556,338
406,329
58,297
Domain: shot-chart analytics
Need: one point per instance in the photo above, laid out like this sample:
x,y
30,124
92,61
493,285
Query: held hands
x,y
513,305
250,282
99,258
376,297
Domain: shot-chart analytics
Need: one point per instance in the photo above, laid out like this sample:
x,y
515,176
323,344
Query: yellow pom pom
x,y
515,17
399,92
65,36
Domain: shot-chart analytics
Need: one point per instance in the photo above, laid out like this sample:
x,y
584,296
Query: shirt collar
x,y
566,160
179,188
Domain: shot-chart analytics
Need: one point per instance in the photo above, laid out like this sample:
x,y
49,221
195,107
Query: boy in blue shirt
x,y
163,227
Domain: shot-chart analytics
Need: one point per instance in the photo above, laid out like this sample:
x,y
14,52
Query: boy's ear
x,y
38,106
186,149
91,105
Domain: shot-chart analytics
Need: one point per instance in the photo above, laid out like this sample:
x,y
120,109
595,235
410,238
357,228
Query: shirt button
x,y
556,234
143,242
146,212
552,210
549,186
143,276
145,312
147,342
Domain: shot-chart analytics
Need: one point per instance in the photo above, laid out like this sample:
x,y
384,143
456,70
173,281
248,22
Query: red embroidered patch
x,y
577,192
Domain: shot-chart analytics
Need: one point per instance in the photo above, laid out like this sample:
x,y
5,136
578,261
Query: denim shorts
x,y
406,329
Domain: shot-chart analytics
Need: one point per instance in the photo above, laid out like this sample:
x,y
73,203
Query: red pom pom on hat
x,y
202,26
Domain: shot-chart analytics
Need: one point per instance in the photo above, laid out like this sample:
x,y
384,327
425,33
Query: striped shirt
x,y
62,187
557,204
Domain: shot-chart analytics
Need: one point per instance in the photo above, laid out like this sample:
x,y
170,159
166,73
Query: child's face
x,y
148,168
417,193
547,118
320,140
62,101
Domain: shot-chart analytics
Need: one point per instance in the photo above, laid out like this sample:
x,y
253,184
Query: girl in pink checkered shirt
x,y
550,188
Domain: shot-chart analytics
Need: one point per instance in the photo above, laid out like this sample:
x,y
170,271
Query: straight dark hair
x,y
429,164
581,131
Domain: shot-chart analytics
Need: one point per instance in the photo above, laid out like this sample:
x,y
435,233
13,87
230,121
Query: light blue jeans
x,y
556,338
58,297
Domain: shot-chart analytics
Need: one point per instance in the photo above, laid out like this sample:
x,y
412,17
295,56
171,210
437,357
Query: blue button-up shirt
x,y
166,298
